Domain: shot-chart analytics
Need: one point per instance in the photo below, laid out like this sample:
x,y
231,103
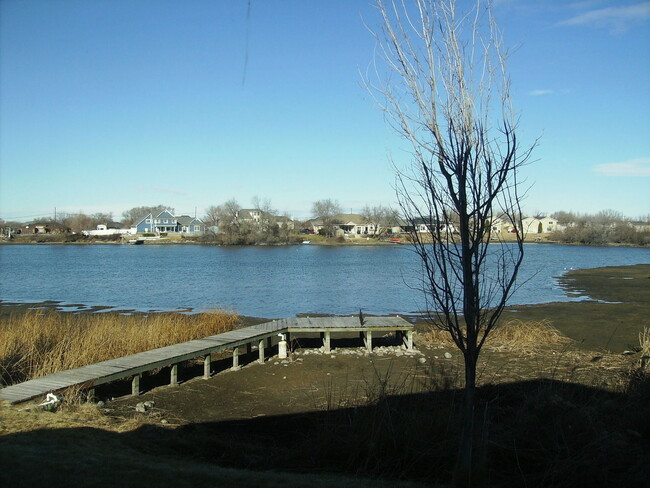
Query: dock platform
x,y
260,336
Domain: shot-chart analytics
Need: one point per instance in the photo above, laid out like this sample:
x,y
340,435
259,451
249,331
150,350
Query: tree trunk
x,y
465,470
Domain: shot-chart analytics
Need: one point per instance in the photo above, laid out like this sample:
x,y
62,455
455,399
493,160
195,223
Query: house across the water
x,y
167,223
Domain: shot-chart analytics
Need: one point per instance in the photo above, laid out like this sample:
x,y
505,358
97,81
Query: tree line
x,y
604,227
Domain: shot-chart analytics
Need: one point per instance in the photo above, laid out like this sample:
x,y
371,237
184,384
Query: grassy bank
x,y
36,343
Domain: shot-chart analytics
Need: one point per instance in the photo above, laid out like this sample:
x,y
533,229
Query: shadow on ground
x,y
536,433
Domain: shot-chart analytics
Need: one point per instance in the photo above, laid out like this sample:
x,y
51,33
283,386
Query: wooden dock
x,y
259,336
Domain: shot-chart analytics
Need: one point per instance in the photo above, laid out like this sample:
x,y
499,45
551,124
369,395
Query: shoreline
x,y
297,241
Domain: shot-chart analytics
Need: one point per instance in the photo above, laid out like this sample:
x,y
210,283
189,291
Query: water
x,y
267,282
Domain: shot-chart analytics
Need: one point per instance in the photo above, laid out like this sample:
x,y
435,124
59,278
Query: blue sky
x,y
108,105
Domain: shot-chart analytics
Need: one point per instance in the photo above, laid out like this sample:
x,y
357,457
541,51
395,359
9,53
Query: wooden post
x,y
135,385
409,339
235,359
173,379
367,339
327,340
261,351
206,366
90,396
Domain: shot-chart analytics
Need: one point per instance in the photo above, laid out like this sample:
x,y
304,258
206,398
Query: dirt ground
x,y
311,380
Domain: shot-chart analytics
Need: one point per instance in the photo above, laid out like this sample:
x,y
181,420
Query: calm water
x,y
258,281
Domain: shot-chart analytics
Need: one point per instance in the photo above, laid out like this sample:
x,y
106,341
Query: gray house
x,y
166,222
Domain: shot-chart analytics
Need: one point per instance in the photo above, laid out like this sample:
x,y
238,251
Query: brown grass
x,y
511,335
644,341
37,343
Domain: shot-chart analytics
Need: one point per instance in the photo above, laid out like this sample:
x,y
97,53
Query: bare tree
x,y
229,223
446,92
380,218
133,215
211,217
327,210
267,222
102,218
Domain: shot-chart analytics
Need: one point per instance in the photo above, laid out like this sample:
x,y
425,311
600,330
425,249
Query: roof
x,y
168,216
184,219
138,222
187,220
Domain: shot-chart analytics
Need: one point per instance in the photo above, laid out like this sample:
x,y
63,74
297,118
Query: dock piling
x,y
206,366
235,359
173,380
135,385
260,347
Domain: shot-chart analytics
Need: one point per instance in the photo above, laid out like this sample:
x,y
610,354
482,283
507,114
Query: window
x,y
148,221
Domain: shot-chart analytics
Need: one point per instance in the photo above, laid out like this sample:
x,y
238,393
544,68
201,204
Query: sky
x,y
107,105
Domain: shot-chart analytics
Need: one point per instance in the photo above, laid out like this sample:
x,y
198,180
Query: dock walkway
x,y
261,336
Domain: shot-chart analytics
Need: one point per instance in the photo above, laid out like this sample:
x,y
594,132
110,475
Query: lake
x,y
269,282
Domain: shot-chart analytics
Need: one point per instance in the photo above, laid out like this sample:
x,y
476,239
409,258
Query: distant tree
x,y
229,224
212,215
608,217
267,226
564,218
327,210
381,218
606,226
77,222
132,216
101,218
285,227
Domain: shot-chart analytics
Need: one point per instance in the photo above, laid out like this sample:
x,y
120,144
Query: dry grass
x,y
644,341
511,335
37,343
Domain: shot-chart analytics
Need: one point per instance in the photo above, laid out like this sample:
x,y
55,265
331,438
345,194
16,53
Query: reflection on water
x,y
262,281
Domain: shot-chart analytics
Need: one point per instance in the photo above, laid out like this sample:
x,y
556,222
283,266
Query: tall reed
x,y
644,341
513,334
38,343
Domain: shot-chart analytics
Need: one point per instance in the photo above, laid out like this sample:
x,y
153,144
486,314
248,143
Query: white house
x,y
532,225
